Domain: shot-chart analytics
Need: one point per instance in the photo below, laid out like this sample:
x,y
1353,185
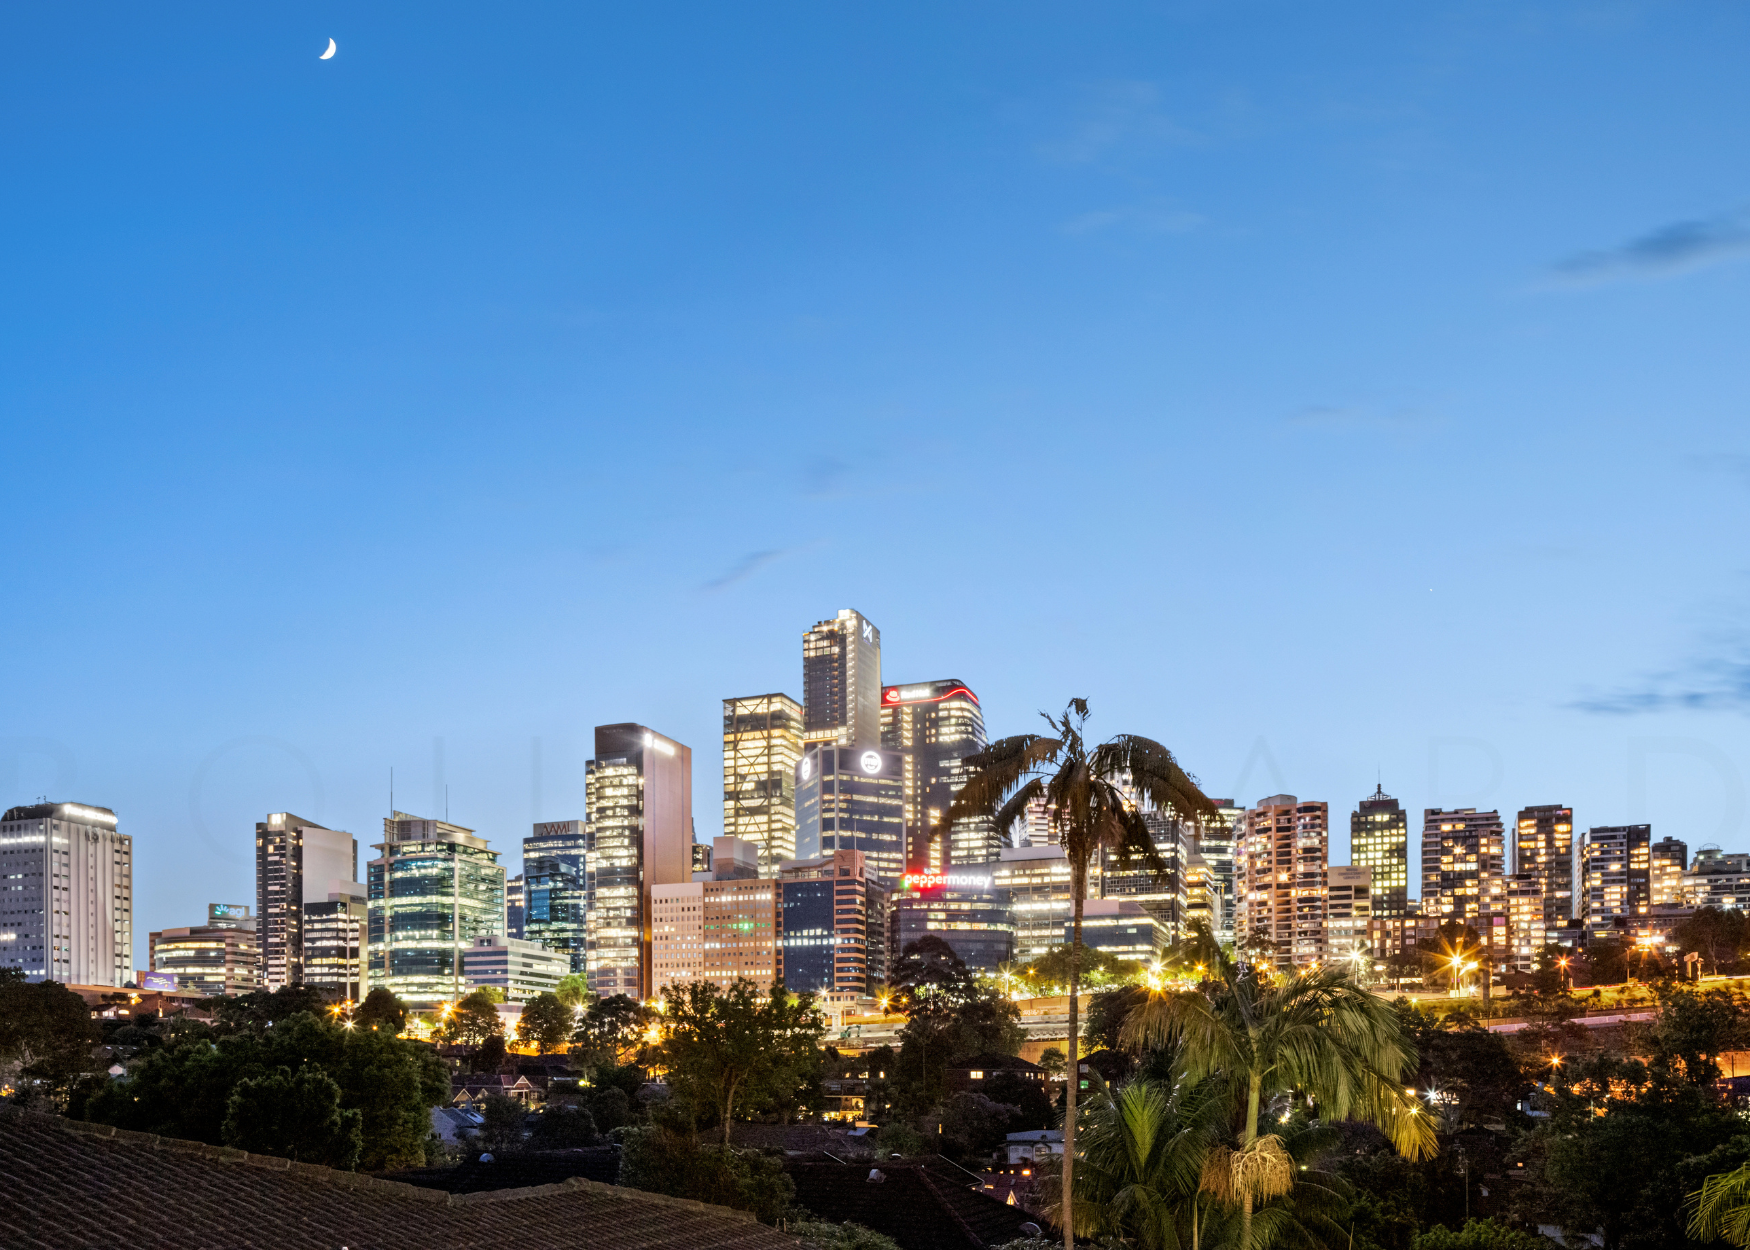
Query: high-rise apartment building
x,y
1527,928
1543,847
1716,879
841,681
555,872
1618,878
219,957
432,890
716,931
1215,845
1348,908
1463,863
852,799
297,861
762,744
1669,861
1280,866
935,726
835,926
334,945
68,906
1379,839
640,796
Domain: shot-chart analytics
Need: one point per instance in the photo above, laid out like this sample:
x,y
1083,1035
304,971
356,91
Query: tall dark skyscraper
x,y
1464,867
1379,838
1543,848
1618,881
852,799
555,886
297,861
935,725
841,681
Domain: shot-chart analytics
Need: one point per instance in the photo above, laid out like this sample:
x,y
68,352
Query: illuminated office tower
x,y
1527,931
1348,908
1379,838
1543,847
434,888
1215,845
716,931
334,945
1669,861
853,799
640,794
69,903
297,861
554,873
762,744
1618,878
935,725
515,907
834,918
1280,866
1164,894
841,681
1036,882
1463,866
218,957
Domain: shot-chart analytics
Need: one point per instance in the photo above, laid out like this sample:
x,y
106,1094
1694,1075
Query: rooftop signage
x,y
892,696
948,880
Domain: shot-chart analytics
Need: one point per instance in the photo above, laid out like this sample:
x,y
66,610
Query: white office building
x,y
66,894
521,969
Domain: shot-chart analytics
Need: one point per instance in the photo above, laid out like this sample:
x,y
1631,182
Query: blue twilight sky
x,y
1332,393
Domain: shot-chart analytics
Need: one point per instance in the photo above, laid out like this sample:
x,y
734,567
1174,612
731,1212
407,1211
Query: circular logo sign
x,y
871,762
807,767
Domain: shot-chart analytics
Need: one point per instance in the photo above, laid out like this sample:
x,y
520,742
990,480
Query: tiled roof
x,y
68,1185
920,1207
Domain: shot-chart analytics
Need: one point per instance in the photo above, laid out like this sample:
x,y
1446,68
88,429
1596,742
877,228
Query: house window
x,y
977,1075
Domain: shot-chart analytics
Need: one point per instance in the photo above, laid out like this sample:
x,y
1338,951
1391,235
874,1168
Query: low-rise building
x,y
521,969
1716,879
222,956
1115,926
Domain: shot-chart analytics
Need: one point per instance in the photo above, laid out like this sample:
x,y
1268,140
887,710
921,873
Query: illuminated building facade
x,y
1543,846
716,931
762,744
1120,928
1163,895
841,681
221,956
1527,926
1348,909
1379,839
1669,858
1280,866
515,906
334,945
1463,863
935,725
554,893
964,908
1036,882
1716,879
852,799
520,969
640,794
433,889
1618,879
834,916
69,902
1215,846
297,861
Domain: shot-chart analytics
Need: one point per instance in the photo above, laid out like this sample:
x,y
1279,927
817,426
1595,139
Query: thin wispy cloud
x,y
743,569
1344,419
1721,684
1114,115
1681,247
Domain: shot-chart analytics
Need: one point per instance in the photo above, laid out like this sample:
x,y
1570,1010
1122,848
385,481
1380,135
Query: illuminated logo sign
x,y
868,632
871,762
227,911
159,982
924,694
892,695
807,767
947,880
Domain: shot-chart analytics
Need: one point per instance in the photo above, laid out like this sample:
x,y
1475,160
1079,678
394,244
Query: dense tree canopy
x,y
732,1048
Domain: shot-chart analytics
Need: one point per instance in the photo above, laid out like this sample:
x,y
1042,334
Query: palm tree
x,y
1721,1207
1143,1161
1086,793
1259,1037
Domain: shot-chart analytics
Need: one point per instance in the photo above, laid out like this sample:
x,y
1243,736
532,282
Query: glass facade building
x,y
297,861
554,900
1543,847
334,945
639,790
833,921
220,957
934,725
963,907
853,799
431,892
1379,839
841,681
762,744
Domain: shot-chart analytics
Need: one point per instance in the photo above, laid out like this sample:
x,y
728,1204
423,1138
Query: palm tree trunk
x,y
1253,1097
1078,891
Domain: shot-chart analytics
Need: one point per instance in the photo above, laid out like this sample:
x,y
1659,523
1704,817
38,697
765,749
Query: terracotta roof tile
x,y
71,1186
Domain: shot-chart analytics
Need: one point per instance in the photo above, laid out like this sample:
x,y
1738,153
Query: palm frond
x,y
1721,1207
997,770
1157,776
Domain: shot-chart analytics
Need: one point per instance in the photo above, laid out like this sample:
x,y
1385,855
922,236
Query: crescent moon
x,y
326,55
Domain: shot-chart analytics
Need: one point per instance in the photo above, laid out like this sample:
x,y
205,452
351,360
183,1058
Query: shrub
x,y
820,1235
1488,1234
659,1161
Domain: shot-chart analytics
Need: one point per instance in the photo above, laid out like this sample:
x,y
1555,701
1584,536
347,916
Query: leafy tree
x,y
1471,1070
977,1121
1086,792
1318,1034
721,1047
659,1161
1141,1174
562,1126
573,990
1692,1030
821,1235
259,1009
1051,970
546,1023
46,1033
381,1010
501,1124
489,1056
612,1031
1107,1012
610,1107
901,1138
930,975
296,1116
1032,1105
1488,1234
471,1020
1718,936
